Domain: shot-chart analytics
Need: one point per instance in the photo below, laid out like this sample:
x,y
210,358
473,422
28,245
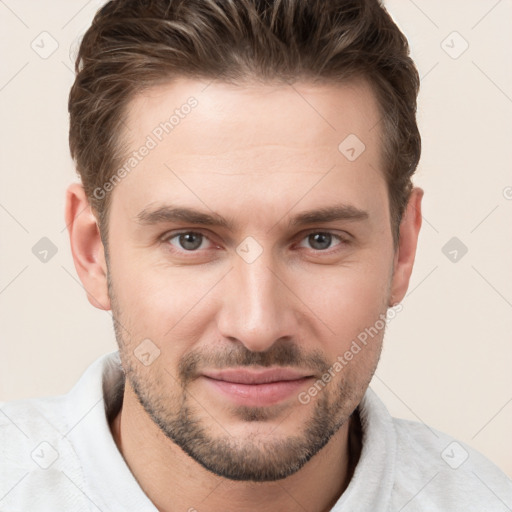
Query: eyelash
x,y
169,236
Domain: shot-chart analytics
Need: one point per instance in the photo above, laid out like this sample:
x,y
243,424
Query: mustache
x,y
288,354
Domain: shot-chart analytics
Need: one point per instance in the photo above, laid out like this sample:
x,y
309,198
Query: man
x,y
247,214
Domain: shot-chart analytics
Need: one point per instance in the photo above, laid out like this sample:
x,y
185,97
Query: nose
x,y
257,307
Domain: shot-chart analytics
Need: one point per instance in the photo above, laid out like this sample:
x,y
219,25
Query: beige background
x,y
447,356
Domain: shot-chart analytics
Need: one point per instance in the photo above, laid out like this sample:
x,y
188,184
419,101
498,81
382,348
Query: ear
x,y
86,246
406,250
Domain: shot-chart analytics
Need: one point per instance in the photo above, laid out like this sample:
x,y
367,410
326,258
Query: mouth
x,y
256,388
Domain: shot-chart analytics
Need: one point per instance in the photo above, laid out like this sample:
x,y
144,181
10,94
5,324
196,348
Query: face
x,y
247,253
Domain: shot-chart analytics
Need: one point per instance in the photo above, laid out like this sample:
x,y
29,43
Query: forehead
x,y
227,116
212,141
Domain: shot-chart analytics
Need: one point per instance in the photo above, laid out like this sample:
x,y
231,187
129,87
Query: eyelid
x,y
339,234
344,238
171,234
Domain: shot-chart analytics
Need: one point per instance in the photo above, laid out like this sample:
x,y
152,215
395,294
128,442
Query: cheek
x,y
347,292
161,303
350,301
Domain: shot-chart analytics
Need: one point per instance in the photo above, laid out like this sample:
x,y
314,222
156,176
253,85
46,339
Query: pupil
x,y
186,242
323,238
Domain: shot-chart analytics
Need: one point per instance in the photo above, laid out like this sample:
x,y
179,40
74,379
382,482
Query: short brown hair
x,y
134,44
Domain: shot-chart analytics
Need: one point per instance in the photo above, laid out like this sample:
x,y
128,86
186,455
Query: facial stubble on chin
x,y
246,459
188,424
185,421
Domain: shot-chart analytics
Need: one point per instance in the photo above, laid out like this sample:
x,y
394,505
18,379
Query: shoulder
x,y
38,455
434,471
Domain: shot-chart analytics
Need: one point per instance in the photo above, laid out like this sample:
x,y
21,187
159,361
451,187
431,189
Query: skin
x,y
258,155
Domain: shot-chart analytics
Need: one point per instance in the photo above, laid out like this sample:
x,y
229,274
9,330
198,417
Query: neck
x,y
174,481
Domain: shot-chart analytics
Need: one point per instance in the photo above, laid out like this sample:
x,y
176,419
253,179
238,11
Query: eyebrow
x,y
167,214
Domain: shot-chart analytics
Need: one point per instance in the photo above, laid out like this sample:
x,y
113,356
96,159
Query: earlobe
x,y
86,246
404,258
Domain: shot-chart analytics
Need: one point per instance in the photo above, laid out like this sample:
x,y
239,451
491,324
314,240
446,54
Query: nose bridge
x,y
256,307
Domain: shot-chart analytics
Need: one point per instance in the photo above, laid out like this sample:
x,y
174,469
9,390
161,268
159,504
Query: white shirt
x,y
58,454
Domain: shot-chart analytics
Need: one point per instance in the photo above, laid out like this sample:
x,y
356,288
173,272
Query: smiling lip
x,y
256,387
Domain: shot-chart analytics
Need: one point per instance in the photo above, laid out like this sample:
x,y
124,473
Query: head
x,y
246,170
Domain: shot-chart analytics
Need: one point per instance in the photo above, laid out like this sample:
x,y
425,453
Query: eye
x,y
322,240
189,241
193,241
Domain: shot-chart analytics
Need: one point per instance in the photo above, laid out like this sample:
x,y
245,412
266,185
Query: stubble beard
x,y
249,458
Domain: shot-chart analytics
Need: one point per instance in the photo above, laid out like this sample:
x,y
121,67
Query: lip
x,y
252,376
256,388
